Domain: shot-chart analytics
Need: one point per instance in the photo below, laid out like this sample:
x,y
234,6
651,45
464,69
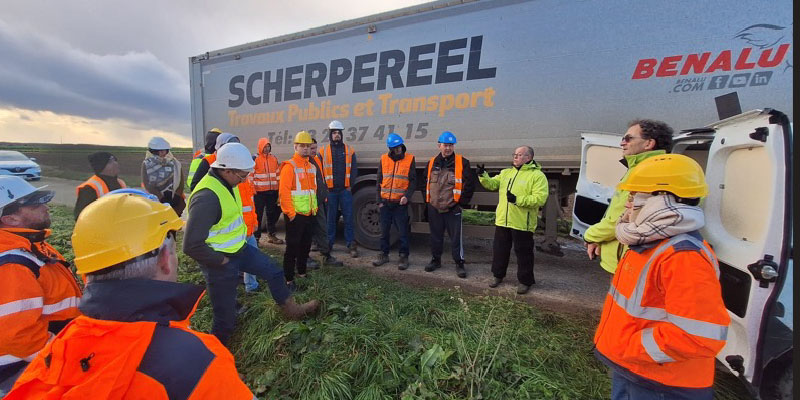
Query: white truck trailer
x,y
505,73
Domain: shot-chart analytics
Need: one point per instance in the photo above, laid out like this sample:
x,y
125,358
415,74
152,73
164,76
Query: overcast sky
x,y
116,72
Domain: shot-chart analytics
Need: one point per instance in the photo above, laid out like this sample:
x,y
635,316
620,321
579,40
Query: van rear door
x,y
600,172
748,223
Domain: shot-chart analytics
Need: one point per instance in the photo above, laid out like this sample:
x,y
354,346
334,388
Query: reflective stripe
x,y
98,188
302,192
247,208
69,302
392,176
459,180
228,229
17,306
23,253
456,191
229,243
383,190
652,349
9,359
704,329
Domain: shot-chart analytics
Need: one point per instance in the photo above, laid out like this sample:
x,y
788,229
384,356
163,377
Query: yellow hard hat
x,y
673,173
215,130
302,137
120,227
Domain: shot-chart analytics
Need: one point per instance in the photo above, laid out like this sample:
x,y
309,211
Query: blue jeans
x,y
250,281
343,198
397,215
221,286
623,388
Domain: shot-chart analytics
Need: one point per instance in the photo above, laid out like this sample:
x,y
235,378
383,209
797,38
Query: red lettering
x,y
741,62
723,62
695,63
765,62
644,69
669,66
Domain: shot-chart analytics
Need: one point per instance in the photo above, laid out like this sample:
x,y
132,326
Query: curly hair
x,y
656,130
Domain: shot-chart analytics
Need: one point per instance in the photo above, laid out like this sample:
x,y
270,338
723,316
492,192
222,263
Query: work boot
x,y
460,271
433,265
496,282
402,265
292,310
271,238
330,261
314,247
382,259
523,288
353,250
312,264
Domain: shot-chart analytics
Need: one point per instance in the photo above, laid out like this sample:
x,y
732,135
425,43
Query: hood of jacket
x,y
132,300
263,142
631,160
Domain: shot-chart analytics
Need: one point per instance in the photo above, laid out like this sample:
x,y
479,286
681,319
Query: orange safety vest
x,y
93,358
298,171
664,318
459,184
246,192
210,158
327,165
266,173
395,176
98,185
36,288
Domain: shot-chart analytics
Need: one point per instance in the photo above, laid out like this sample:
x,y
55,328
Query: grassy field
x,y
377,339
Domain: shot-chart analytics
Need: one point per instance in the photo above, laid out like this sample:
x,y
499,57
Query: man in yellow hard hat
x,y
133,339
298,197
216,237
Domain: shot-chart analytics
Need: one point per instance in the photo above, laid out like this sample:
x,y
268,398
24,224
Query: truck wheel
x,y
367,218
781,388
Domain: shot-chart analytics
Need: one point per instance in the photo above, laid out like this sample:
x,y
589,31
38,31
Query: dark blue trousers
x,y
397,215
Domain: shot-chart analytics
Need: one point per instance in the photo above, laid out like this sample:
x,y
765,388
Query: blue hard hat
x,y
447,137
394,140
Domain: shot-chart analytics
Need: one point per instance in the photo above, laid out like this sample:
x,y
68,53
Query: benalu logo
x,y
768,46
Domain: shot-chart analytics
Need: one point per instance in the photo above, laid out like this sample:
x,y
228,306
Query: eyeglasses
x,y
629,138
519,155
241,174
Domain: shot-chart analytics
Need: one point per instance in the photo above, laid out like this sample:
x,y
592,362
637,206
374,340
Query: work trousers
x,y
397,215
451,221
623,388
341,198
221,282
298,243
320,228
523,249
267,203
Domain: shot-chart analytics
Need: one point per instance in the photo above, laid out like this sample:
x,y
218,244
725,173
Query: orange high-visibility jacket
x,y
664,318
327,164
147,355
459,184
265,174
303,173
395,176
35,289
246,191
98,185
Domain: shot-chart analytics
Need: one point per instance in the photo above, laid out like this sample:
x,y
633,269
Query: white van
x,y
748,164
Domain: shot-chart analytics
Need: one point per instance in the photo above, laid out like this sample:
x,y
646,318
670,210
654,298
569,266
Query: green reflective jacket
x,y
529,185
604,232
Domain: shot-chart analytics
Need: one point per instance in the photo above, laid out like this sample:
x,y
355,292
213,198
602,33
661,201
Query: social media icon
x,y
761,78
718,82
739,80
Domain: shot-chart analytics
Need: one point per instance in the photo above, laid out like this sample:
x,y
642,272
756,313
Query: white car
x,y
18,164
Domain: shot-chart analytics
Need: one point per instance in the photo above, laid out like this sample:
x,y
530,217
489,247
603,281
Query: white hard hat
x,y
15,189
158,143
225,137
234,156
336,125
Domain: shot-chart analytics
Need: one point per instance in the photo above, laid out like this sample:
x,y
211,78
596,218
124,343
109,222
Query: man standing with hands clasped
x,y
523,190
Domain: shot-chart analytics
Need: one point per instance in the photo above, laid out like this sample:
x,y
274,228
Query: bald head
x,y
523,155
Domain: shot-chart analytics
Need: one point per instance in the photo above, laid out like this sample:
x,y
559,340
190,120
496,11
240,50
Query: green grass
x,y
377,339
475,217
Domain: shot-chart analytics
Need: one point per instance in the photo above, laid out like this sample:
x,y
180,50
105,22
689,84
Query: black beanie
x,y
99,160
211,142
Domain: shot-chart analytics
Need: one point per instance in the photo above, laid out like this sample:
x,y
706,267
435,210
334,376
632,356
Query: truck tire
x,y
367,218
781,387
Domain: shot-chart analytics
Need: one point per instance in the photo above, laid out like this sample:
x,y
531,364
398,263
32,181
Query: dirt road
x,y
571,283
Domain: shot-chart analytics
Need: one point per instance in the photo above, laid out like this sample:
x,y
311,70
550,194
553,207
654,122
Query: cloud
x,y
41,72
30,126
